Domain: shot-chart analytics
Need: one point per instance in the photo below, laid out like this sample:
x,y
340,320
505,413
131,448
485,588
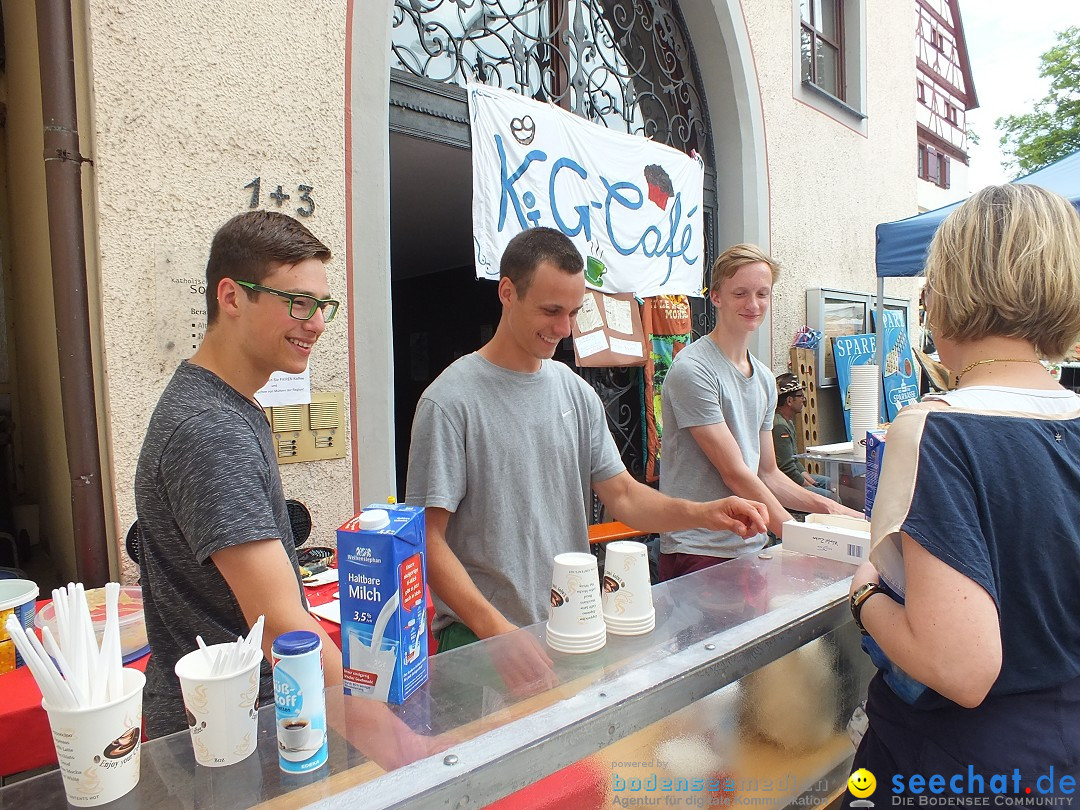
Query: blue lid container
x,y
296,642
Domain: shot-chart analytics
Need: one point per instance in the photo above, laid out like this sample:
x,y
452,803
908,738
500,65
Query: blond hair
x,y
728,263
1006,263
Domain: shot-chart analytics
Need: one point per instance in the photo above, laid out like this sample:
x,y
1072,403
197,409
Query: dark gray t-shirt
x,y
207,479
703,387
513,455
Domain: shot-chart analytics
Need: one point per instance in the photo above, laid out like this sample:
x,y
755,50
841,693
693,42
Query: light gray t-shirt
x,y
512,455
703,387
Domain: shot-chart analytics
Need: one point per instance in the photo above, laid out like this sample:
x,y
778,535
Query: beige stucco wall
x,y
191,101
830,186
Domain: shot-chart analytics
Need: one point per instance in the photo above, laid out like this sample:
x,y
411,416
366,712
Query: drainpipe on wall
x,y
63,185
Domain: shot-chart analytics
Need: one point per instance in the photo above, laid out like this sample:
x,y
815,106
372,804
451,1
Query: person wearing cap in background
x,y
790,399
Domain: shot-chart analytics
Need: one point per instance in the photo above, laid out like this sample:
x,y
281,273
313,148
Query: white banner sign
x,y
633,207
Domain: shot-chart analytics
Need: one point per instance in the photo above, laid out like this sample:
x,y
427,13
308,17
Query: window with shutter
x,y
933,165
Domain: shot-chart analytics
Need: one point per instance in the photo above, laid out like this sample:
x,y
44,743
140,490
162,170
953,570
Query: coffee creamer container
x,y
382,574
300,701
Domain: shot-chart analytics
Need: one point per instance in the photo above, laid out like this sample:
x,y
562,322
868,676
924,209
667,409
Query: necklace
x,y
970,366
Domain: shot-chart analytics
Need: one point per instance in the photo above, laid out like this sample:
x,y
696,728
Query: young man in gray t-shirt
x,y
216,547
507,445
717,406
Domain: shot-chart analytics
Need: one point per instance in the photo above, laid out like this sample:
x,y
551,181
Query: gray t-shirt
x,y
207,479
512,455
703,387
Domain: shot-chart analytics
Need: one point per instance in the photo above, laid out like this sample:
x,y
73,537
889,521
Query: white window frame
x,y
851,111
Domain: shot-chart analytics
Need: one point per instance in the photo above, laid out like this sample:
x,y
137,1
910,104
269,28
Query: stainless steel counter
x,y
466,739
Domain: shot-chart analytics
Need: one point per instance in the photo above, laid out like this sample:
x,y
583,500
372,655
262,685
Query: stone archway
x,y
564,51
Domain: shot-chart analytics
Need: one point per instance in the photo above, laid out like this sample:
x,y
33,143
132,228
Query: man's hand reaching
x,y
522,662
745,518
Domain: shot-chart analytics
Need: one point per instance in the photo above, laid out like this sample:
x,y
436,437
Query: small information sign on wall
x,y
607,331
179,301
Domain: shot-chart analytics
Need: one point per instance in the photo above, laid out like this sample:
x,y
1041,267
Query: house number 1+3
x,y
280,197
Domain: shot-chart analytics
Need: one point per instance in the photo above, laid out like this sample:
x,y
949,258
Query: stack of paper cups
x,y
865,395
627,599
576,624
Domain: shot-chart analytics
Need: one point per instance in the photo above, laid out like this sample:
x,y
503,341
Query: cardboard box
x,y
875,455
835,537
382,573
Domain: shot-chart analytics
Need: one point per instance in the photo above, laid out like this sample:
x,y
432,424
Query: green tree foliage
x,y
1052,129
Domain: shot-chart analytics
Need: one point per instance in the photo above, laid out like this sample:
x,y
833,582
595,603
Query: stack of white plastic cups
x,y
864,393
576,623
627,600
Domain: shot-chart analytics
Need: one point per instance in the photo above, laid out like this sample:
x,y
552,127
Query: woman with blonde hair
x,y
971,600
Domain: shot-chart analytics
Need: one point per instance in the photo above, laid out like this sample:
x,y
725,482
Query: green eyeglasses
x,y
301,307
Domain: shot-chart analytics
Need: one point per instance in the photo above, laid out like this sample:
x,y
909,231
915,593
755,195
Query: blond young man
x,y
718,404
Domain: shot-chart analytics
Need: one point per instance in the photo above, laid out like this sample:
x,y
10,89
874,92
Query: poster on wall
x,y
633,207
848,351
607,331
899,385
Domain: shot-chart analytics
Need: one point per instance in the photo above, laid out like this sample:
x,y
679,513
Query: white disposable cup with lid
x,y
576,621
99,748
627,590
222,710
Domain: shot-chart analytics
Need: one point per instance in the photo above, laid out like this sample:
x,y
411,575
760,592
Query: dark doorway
x,y
440,310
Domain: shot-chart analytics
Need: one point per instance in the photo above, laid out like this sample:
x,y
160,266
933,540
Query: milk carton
x,y
382,570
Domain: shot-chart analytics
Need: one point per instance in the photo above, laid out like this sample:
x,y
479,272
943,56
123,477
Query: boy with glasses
x,y
790,399
217,549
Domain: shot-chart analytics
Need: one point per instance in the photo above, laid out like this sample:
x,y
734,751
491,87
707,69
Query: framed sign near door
x,y
835,313
843,312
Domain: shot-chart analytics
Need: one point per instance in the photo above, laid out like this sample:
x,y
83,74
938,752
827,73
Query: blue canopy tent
x,y
902,245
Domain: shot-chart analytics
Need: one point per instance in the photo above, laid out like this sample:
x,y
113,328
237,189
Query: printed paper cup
x,y
99,749
632,627
627,591
222,711
576,619
575,644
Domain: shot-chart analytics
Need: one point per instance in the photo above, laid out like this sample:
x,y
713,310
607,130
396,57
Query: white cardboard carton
x,y
835,537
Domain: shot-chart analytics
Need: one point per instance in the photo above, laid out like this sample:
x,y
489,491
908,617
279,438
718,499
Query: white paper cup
x,y
575,644
576,616
627,591
99,749
222,711
632,628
